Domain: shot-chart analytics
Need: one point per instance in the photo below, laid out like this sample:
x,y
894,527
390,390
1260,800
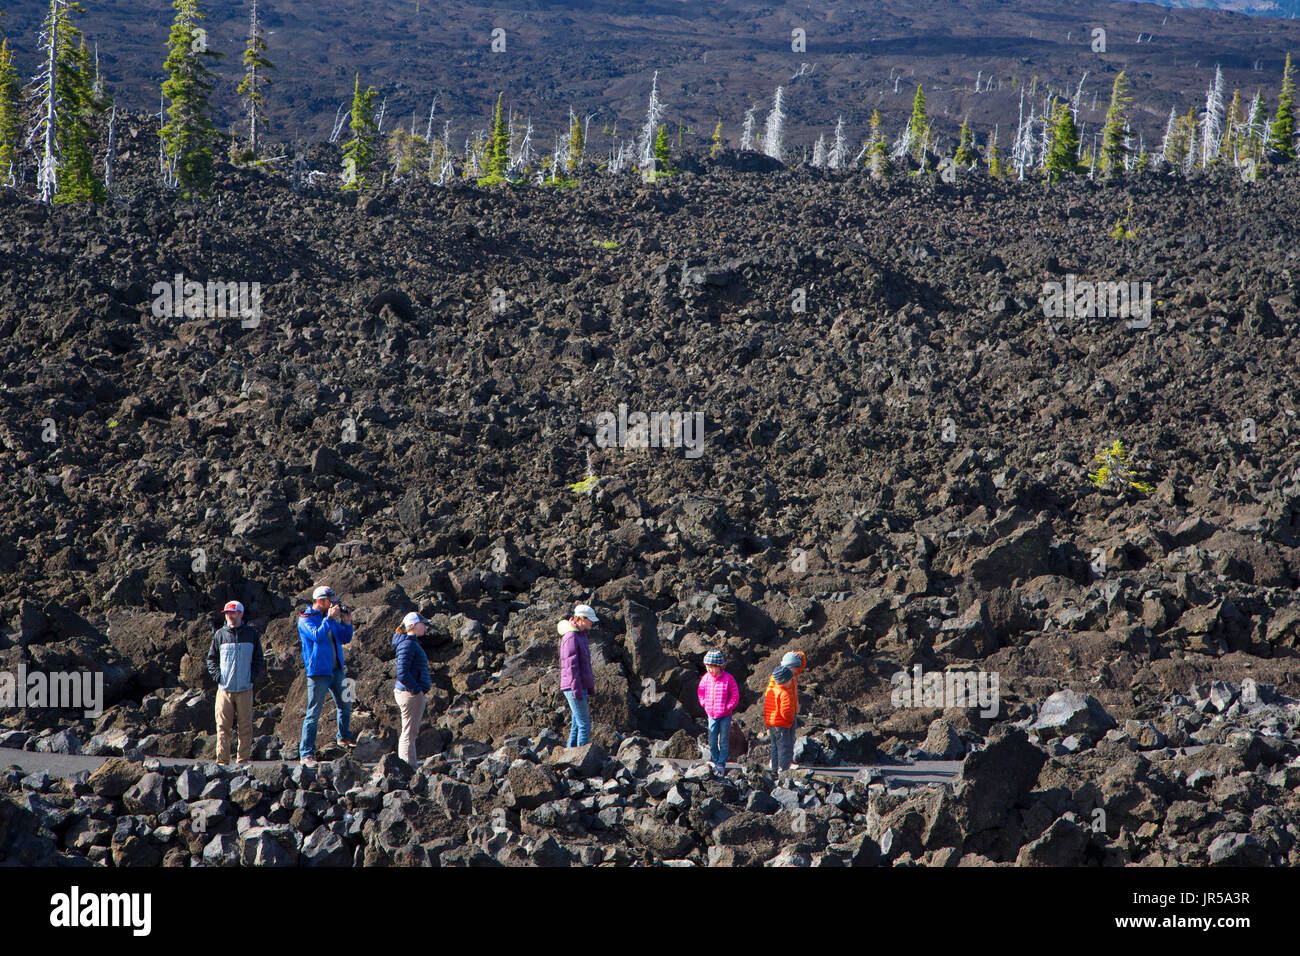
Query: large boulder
x,y
1068,712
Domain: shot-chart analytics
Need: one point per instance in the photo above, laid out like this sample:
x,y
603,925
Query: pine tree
x,y
188,135
255,62
716,149
1063,148
965,155
1281,135
1182,152
995,156
76,133
919,125
359,152
1231,144
661,149
1111,160
878,152
498,147
576,144
11,116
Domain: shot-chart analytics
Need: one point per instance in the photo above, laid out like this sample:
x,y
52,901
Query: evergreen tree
x,y
995,160
1112,138
76,133
359,152
255,63
1232,139
919,125
1182,148
1281,135
11,116
661,149
188,135
496,159
965,155
1063,148
576,144
716,149
878,153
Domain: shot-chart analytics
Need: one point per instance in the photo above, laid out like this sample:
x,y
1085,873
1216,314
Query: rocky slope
x,y
894,476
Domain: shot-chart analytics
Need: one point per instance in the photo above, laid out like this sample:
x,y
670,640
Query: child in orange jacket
x,y
795,661
778,714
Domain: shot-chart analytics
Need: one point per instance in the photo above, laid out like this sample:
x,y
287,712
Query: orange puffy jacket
x,y
794,686
779,705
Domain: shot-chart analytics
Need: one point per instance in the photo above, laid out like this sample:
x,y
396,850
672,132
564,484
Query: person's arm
x,y
733,695
342,631
586,663
214,660
426,678
702,694
259,659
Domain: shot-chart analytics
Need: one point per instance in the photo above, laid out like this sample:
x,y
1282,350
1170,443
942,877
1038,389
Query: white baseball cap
x,y
415,617
233,606
582,610
323,591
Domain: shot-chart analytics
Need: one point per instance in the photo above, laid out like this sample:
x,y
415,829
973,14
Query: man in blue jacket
x,y
323,629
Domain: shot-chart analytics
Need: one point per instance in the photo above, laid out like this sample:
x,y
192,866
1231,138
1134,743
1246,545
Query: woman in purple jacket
x,y
576,679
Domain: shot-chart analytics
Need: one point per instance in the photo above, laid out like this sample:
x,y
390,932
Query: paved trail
x,y
924,772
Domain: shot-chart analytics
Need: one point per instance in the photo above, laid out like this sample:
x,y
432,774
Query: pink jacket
x,y
718,695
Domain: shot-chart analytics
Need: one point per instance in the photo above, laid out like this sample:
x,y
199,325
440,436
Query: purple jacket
x,y
575,663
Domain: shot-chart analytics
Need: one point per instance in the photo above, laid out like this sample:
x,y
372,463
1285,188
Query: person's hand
x,y
333,612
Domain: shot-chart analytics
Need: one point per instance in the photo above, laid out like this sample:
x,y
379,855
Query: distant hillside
x,y
715,60
1264,8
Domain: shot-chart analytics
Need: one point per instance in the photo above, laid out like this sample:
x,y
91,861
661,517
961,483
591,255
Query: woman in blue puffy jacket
x,y
413,681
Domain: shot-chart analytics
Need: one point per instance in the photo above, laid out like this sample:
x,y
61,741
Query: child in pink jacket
x,y
719,696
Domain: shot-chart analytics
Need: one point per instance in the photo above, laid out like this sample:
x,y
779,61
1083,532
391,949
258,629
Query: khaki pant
x,y
412,708
232,707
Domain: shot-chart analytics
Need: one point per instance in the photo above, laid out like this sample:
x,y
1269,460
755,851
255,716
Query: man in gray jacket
x,y
235,662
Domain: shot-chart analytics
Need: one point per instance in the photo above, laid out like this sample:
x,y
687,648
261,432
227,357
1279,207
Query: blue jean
x,y
317,687
580,718
719,739
782,739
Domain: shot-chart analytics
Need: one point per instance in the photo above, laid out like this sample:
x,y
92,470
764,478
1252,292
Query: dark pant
x,y
782,739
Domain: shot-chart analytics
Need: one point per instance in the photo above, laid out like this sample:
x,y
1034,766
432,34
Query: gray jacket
x,y
235,658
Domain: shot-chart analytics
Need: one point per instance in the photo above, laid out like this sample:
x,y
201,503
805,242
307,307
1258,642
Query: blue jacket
x,y
322,639
412,665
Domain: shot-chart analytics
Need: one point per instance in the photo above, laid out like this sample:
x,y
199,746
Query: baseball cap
x,y
323,591
233,606
582,610
782,674
415,617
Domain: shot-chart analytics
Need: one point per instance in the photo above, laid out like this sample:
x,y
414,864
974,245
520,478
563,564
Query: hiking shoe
x,y
309,763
